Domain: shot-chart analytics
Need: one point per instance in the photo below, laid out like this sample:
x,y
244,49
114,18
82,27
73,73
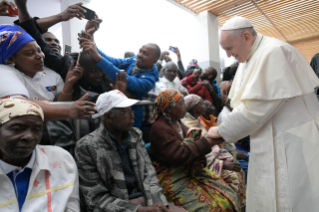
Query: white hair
x,y
237,33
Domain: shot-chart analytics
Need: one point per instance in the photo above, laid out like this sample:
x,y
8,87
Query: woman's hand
x,y
242,156
74,74
231,166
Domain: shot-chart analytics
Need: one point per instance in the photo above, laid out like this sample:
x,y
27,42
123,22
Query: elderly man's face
x,y
237,47
122,119
19,137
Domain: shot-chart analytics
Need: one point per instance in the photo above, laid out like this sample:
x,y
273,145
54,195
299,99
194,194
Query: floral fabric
x,y
196,188
163,100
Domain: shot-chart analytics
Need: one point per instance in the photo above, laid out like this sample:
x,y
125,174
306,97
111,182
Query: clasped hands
x,y
213,136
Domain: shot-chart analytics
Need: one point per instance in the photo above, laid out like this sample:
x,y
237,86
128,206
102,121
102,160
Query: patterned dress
x,y
196,188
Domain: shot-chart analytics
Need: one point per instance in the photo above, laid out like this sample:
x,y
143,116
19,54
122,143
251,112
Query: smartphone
x,y
89,15
68,49
172,48
11,11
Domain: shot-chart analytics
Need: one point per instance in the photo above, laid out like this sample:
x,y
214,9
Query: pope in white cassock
x,y
273,101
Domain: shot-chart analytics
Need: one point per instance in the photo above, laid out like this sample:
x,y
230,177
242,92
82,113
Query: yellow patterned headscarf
x,y
13,108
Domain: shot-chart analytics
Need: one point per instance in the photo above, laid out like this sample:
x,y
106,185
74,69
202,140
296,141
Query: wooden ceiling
x,y
292,21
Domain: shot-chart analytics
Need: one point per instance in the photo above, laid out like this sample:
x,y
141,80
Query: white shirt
x,y
45,85
164,84
10,83
54,183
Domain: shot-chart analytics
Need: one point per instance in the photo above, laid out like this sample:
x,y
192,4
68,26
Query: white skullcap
x,y
236,23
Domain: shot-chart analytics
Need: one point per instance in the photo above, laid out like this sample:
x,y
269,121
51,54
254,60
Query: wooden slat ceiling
x,y
292,21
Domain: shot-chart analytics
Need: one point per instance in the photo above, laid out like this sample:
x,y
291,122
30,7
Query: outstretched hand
x,y
93,25
73,11
81,109
121,82
4,8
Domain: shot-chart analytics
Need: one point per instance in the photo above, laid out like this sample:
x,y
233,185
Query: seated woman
x,y
33,177
26,62
179,160
220,161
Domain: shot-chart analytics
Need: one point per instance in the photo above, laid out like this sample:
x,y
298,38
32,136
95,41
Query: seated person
x,y
50,45
220,161
33,177
20,49
195,109
26,59
210,75
193,85
115,171
179,160
170,80
208,119
141,71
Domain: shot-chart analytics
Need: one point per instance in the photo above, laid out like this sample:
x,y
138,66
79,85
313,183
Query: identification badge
x,y
51,88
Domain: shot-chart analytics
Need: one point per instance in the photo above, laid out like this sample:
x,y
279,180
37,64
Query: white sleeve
x,y
59,85
248,117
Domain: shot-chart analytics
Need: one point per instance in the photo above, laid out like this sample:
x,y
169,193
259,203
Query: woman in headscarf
x,y
219,160
178,155
33,177
24,57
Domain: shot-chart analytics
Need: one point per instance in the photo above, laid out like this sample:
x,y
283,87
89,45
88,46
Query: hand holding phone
x,y
13,12
89,15
172,48
67,49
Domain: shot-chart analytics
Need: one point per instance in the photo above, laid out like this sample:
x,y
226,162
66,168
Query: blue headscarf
x,y
12,38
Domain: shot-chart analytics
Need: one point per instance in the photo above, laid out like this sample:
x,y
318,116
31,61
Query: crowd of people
x,y
162,155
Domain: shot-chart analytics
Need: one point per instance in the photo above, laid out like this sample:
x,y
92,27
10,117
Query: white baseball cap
x,y
112,99
236,23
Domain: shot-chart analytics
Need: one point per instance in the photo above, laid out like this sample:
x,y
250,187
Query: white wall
x,y
127,25
41,9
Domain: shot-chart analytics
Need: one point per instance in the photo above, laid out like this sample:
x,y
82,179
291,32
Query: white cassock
x,y
274,102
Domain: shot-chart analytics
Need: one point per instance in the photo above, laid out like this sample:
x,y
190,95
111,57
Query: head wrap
x,y
191,101
12,38
162,101
13,108
191,67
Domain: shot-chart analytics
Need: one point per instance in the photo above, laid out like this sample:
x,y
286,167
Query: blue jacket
x,y
139,83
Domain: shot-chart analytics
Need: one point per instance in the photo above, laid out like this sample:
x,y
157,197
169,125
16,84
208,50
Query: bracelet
x,y
67,94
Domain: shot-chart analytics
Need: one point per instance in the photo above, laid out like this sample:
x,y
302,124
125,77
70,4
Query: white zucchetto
x,y
236,23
